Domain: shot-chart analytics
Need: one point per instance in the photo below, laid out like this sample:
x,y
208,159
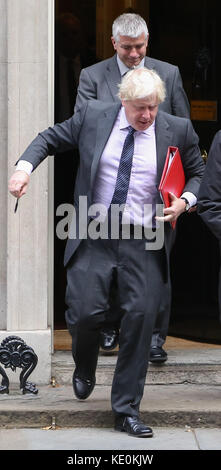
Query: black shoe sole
x,y
104,348
120,429
158,360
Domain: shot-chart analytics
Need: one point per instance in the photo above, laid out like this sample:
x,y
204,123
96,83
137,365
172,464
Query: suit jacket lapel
x,y
149,63
104,127
163,140
113,77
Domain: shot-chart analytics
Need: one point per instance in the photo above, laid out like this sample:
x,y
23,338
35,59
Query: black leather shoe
x,y
82,387
157,355
109,339
133,426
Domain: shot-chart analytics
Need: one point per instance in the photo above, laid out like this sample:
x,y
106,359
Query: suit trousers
x,y
140,280
161,326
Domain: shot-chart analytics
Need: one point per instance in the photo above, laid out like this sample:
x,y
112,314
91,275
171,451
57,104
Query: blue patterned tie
x,y
124,169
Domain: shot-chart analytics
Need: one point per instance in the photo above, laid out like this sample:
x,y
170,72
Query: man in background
x,y
209,203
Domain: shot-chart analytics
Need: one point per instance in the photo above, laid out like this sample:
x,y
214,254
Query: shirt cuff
x,y
23,165
191,198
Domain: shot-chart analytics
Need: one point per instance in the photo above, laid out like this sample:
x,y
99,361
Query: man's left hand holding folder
x,y
171,213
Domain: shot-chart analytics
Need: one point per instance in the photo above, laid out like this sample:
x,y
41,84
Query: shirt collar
x,y
124,123
124,69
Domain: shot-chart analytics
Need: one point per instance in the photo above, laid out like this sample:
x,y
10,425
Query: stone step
x,y
196,366
184,391
178,405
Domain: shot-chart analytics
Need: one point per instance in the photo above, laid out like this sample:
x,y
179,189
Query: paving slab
x,y
208,440
107,439
95,439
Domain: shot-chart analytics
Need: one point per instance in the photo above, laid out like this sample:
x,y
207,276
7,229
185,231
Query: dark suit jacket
x,y
89,130
100,81
209,199
209,202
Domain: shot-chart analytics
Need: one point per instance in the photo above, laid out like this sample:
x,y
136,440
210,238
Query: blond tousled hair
x,y
142,83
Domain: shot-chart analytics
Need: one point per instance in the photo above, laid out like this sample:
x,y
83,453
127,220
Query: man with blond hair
x,y
130,37
122,153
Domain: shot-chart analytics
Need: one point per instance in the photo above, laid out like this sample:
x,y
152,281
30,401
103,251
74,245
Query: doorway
x,y
75,48
185,34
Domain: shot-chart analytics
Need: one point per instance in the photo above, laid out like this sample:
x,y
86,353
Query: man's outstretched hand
x,y
18,183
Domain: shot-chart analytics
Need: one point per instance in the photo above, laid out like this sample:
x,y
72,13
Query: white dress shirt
x,y
142,192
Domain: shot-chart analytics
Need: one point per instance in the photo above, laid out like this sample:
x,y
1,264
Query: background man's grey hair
x,y
129,24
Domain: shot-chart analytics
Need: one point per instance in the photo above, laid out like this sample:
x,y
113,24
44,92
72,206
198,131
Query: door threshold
x,y
62,342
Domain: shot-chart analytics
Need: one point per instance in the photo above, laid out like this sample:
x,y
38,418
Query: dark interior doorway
x,y
75,48
186,34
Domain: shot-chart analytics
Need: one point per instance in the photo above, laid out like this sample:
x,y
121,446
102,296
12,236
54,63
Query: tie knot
x,y
131,130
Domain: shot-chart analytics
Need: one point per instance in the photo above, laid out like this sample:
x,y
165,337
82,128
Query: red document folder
x,y
173,177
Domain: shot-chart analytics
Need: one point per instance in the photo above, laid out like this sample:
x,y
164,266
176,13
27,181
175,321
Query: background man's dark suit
x,y
100,81
209,202
89,129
